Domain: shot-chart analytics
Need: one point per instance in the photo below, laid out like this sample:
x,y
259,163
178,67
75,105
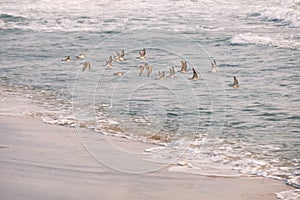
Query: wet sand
x,y
42,161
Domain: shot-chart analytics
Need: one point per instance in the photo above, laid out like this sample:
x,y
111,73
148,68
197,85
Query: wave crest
x,y
251,38
287,12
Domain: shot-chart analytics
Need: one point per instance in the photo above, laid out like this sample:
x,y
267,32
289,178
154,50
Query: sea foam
x,y
252,38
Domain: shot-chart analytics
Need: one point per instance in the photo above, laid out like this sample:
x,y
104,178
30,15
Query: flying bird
x,y
195,75
67,59
142,54
117,56
235,83
183,67
81,56
214,66
172,72
121,56
149,69
86,65
161,75
141,70
109,62
119,74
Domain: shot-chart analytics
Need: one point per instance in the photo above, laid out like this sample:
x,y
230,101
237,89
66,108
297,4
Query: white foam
x,y
204,170
294,181
283,15
58,15
294,4
252,38
154,149
223,160
289,195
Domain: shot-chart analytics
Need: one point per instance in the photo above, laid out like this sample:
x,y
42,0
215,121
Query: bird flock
x,y
148,69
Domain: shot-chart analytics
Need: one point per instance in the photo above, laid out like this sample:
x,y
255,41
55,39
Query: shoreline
x,y
42,161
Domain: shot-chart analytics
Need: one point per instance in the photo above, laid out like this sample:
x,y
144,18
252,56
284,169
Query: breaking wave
x,y
252,38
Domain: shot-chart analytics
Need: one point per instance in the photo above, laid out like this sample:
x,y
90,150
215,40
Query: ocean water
x,y
205,126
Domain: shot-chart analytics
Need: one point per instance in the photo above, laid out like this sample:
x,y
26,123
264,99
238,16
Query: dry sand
x,y
41,161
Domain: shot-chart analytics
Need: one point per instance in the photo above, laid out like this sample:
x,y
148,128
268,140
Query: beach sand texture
x,y
41,161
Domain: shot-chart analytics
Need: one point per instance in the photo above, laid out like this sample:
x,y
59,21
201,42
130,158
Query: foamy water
x,y
205,126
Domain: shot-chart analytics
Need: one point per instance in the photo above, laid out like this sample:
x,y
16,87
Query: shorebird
x,y
183,67
141,70
86,65
117,56
109,61
149,69
235,83
67,59
161,75
172,72
214,66
195,75
142,54
80,56
119,74
121,56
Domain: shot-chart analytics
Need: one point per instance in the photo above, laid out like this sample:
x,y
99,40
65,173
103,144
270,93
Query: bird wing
x,y
183,66
149,70
144,52
110,59
195,75
141,69
86,65
215,63
122,53
173,71
236,82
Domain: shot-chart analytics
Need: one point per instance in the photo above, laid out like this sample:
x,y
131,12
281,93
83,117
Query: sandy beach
x,y
150,100
42,161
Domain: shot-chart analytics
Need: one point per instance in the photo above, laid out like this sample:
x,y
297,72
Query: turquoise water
x,y
253,129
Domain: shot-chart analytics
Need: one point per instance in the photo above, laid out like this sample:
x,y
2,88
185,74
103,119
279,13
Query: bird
x,y
142,54
109,62
141,70
161,75
183,67
172,72
67,59
195,75
81,56
119,74
214,66
121,56
149,69
235,83
86,65
117,56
